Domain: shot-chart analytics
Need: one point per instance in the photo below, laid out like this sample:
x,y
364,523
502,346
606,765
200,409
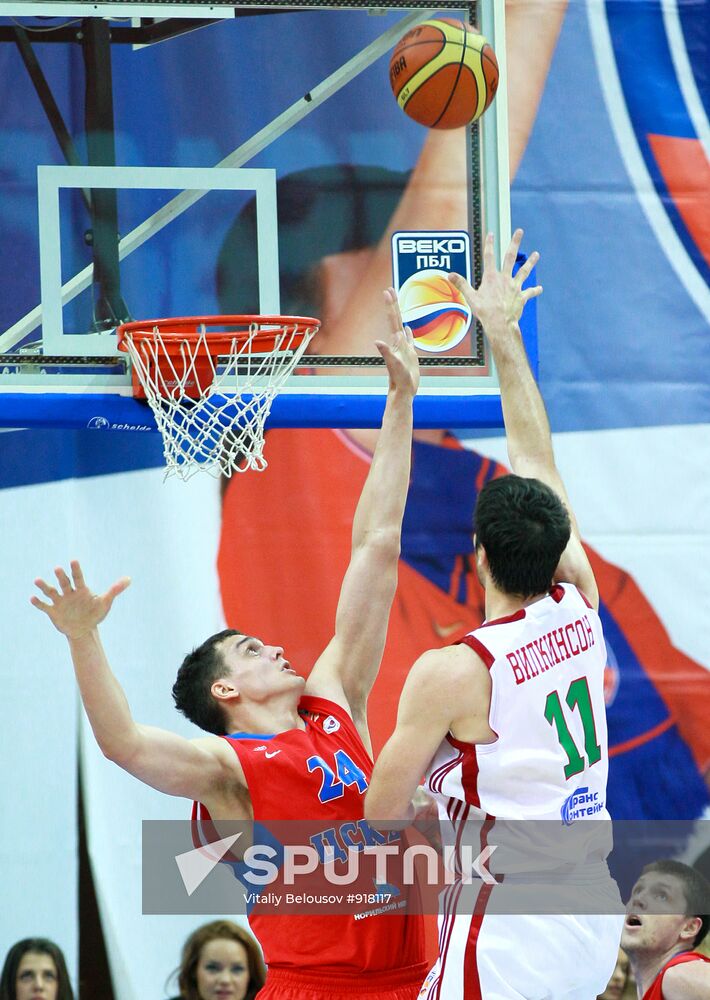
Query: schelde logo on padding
x,y
98,424
437,313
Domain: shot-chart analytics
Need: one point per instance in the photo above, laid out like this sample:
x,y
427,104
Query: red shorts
x,y
292,984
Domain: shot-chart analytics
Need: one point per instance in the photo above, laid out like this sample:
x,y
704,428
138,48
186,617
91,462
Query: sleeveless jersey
x,y
319,776
550,759
655,990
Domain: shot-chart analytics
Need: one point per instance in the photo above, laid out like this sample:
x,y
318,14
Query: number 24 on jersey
x,y
334,781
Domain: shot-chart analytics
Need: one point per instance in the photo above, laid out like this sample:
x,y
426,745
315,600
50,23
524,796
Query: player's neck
x,y
501,605
267,719
646,967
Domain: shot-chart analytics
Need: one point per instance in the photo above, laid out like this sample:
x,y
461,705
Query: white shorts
x,y
500,956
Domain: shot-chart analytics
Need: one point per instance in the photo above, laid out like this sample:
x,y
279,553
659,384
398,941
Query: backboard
x,y
255,161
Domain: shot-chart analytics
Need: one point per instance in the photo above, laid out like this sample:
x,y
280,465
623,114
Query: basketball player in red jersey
x,y
668,917
299,749
510,723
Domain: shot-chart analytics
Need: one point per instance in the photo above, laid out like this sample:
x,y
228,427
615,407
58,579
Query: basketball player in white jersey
x,y
509,724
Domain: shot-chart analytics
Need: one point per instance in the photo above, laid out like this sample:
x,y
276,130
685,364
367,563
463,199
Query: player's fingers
x,y
512,252
48,591
408,334
531,293
63,580
77,575
459,282
118,587
489,257
524,270
35,601
384,349
394,313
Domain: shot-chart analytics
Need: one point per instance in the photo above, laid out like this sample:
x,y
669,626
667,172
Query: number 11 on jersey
x,y
578,697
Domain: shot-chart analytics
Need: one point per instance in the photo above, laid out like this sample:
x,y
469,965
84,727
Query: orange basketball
x,y
443,74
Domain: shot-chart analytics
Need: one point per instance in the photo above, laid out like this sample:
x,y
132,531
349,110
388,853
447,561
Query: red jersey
x,y
320,775
655,990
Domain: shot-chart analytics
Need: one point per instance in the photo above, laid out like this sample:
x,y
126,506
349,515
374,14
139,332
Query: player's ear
x,y
690,928
224,689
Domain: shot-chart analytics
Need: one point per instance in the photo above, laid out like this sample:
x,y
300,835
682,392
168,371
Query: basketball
x,y
437,313
443,74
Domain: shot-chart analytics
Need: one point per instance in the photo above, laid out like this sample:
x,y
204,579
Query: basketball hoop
x,y
210,382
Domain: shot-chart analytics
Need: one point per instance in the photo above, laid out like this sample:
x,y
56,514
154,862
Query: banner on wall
x,y
611,188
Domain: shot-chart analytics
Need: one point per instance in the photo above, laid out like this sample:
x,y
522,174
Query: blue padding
x,y
101,414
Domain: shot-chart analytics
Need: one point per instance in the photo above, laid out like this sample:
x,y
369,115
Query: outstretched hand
x,y
399,354
73,609
499,300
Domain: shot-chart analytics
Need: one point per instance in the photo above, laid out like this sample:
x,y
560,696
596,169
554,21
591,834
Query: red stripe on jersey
x,y
469,778
517,616
471,979
477,646
655,990
469,770
452,894
557,593
437,778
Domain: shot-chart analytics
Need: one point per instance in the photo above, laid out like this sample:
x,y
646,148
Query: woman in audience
x,y
220,960
35,968
619,979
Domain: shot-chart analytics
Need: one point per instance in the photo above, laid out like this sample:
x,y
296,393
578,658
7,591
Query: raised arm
x,y
498,303
164,760
347,669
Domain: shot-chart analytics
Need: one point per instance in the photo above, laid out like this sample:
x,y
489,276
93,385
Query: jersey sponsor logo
x,y
265,750
581,804
330,724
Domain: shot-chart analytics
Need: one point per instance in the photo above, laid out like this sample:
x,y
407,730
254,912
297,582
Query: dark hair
x,y
40,946
191,690
524,528
696,890
219,930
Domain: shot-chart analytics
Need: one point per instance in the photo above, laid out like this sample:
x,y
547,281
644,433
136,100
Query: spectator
x,y
619,979
35,969
220,960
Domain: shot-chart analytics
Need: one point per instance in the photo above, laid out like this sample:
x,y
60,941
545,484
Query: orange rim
x,y
178,330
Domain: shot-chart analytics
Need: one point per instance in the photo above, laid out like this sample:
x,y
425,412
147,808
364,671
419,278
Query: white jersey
x,y
511,933
550,761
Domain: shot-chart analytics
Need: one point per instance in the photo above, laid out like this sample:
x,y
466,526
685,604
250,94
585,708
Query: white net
x,y
211,410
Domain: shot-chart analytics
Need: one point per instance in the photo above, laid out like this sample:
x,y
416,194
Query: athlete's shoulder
x,y
456,670
687,979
